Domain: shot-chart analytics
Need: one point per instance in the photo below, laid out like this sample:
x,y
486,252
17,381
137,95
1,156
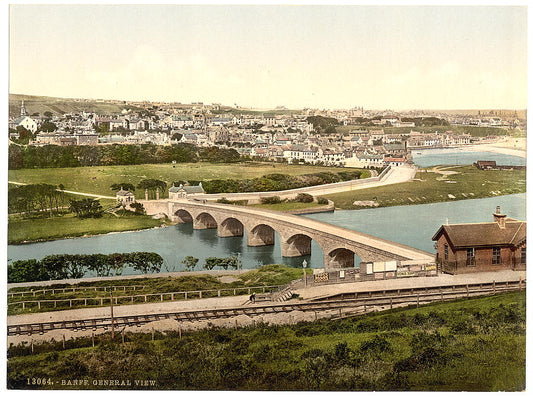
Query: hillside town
x,y
369,139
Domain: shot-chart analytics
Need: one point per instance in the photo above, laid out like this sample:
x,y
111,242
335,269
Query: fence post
x,y
185,295
520,283
218,292
23,306
63,341
200,294
39,304
418,299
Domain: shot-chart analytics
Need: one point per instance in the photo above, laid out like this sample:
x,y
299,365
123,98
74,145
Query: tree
x,y
125,186
152,185
138,207
146,262
48,114
190,262
48,126
86,208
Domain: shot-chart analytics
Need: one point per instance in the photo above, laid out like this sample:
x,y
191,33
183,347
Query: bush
x,y
322,200
271,200
304,198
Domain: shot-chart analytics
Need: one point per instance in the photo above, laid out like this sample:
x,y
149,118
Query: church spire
x,y
22,109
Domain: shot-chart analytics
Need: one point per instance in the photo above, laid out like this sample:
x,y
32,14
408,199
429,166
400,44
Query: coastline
x,y
497,148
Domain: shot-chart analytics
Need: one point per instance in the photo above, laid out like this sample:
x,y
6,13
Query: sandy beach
x,y
507,145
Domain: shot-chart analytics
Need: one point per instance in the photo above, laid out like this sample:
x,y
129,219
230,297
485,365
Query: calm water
x,y
458,156
412,225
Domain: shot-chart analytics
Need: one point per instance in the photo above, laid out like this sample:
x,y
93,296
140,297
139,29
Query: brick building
x,y
478,247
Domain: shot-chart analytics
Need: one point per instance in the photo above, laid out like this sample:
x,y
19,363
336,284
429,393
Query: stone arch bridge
x,y
339,245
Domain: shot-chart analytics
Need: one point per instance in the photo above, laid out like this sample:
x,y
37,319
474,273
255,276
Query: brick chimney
x,y
499,218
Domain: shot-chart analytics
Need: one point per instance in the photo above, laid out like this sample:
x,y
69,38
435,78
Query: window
x,y
445,252
470,257
523,255
496,256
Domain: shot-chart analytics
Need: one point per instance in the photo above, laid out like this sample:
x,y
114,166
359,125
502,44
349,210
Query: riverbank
x,y
439,184
25,231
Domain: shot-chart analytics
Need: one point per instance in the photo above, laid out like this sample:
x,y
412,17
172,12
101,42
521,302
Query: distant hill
x,y
58,106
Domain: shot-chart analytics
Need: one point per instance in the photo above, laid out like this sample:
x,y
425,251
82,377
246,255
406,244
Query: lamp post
x,y
304,265
112,319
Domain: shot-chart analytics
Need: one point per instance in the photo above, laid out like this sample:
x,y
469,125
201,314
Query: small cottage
x,y
478,247
125,197
183,192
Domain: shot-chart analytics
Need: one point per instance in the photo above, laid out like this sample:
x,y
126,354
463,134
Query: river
x,y
412,225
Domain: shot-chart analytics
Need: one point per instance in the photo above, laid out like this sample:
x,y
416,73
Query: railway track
x,y
341,305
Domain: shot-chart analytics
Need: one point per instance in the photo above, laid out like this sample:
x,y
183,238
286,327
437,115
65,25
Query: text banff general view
x,y
171,244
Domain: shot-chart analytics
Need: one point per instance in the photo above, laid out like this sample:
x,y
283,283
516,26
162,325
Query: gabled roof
x,y
483,234
187,189
122,192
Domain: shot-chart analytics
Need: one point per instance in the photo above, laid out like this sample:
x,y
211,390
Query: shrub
x,y
304,198
322,200
271,200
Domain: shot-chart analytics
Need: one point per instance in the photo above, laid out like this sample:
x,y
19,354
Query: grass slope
x,y
471,345
430,187
97,180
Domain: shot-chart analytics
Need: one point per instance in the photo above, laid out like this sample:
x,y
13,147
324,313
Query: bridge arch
x,y
183,216
296,245
340,257
205,220
261,234
230,227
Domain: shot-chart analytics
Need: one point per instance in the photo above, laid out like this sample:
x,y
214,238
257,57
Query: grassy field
x,y
466,345
43,229
97,180
267,275
429,187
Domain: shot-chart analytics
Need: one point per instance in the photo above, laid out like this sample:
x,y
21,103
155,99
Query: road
x,y
395,175
72,192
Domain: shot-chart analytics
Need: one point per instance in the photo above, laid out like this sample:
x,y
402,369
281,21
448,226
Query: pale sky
x,y
378,57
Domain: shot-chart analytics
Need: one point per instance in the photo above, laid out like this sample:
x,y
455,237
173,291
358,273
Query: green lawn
x,y
41,229
474,344
431,187
97,180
